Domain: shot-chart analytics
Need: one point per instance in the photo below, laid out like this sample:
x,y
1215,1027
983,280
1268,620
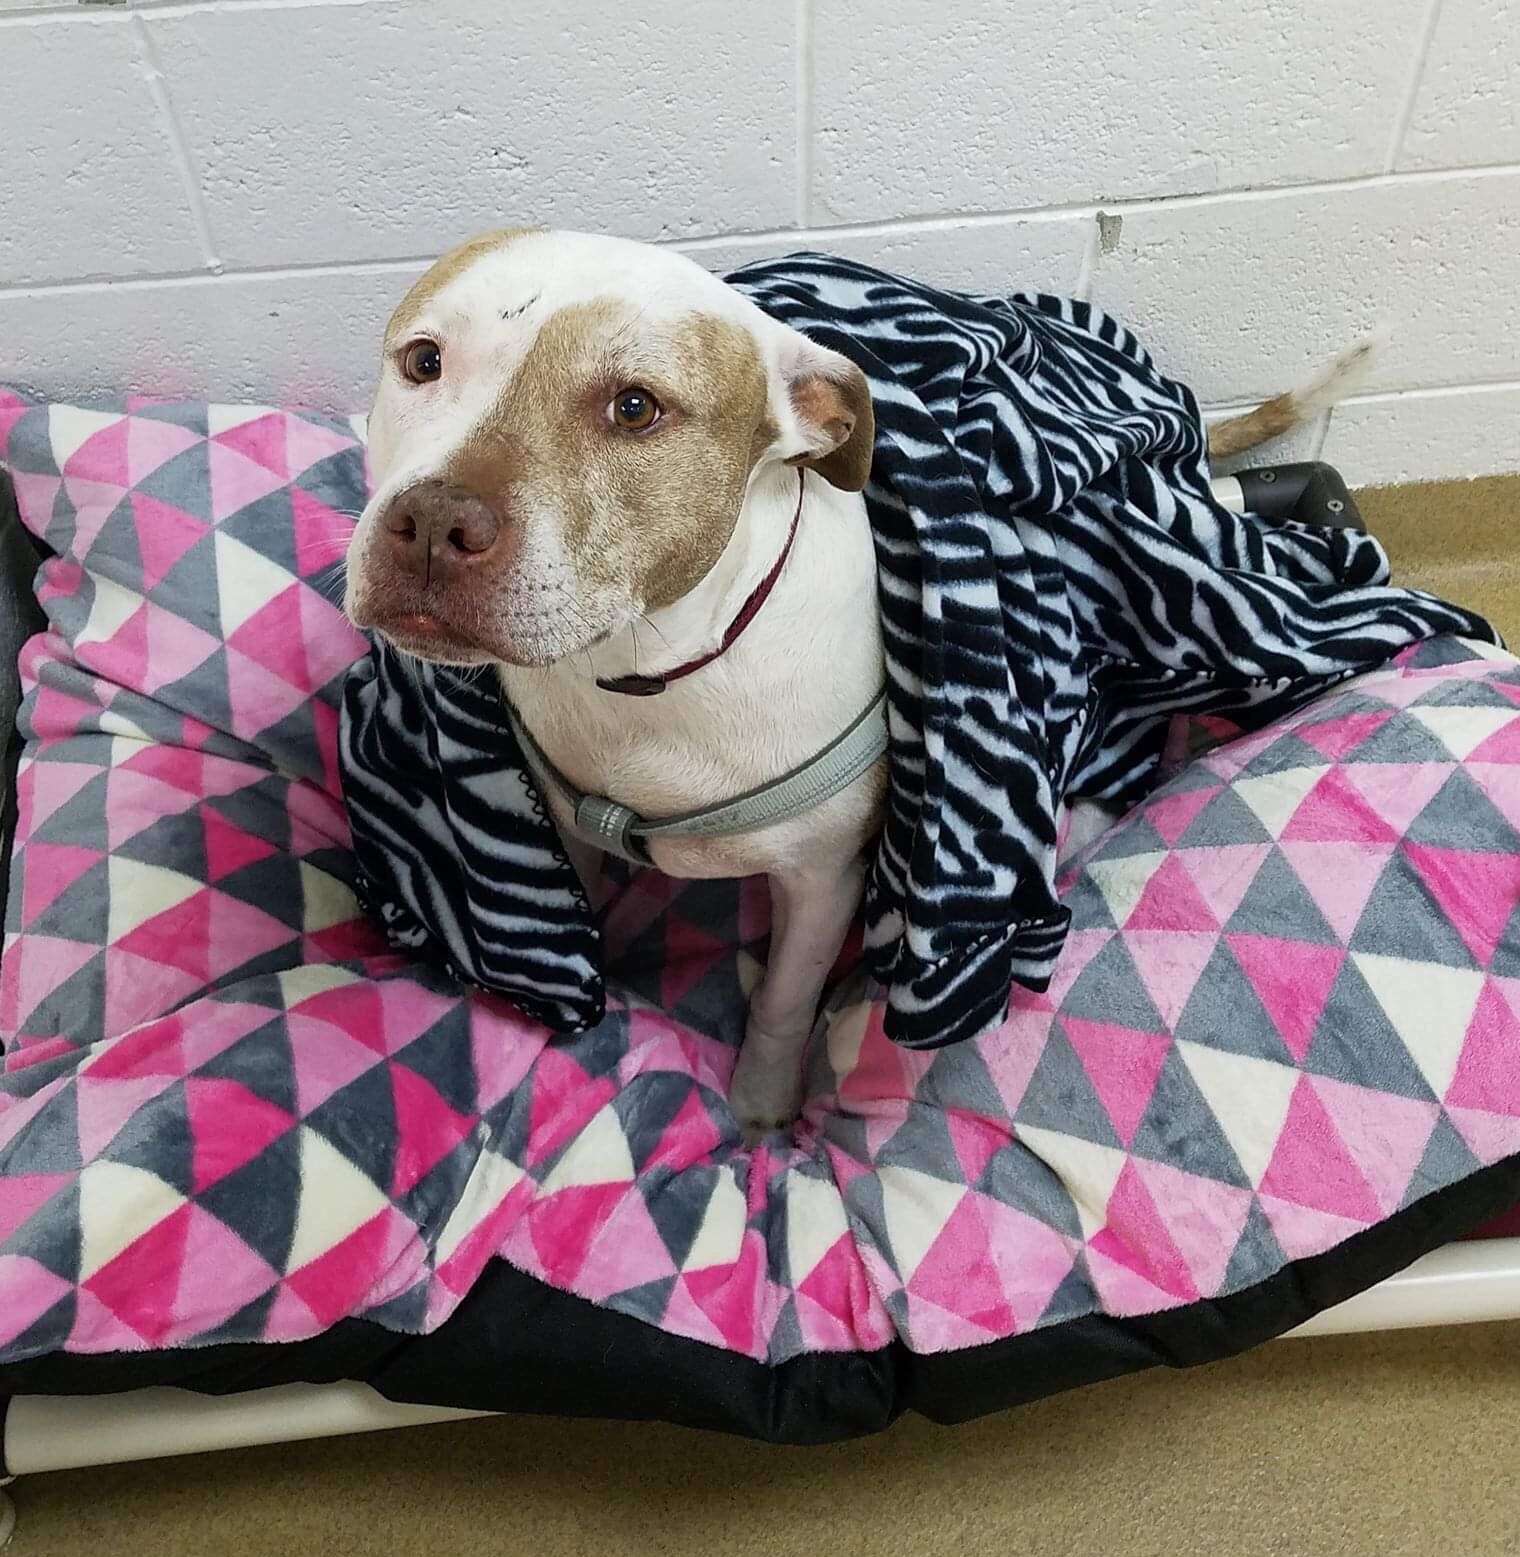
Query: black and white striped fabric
x,y
1056,583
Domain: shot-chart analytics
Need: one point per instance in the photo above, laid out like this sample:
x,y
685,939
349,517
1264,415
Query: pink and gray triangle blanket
x,y
242,1142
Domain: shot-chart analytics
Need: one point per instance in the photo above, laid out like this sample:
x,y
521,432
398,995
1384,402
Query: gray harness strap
x,y
621,831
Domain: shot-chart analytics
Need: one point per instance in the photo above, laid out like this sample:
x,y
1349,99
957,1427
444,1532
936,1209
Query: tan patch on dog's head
x,y
441,272
650,513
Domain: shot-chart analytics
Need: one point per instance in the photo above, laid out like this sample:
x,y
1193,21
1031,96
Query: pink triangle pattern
x,y
1477,890
1123,1066
164,535
196,1056
1294,980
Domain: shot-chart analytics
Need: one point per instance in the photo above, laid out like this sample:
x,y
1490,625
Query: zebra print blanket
x,y
1057,584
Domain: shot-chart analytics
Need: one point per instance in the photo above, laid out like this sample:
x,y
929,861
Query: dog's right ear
x,y
826,419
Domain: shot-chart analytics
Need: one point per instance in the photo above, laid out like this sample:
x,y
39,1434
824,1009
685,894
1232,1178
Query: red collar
x,y
648,686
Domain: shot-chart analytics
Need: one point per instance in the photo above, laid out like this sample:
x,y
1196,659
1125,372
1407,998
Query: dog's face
x,y
564,434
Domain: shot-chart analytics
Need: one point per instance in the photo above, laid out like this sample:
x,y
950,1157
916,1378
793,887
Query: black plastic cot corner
x,y
1308,493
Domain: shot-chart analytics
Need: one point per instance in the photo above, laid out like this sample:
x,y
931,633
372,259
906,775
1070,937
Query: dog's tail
x,y
1282,413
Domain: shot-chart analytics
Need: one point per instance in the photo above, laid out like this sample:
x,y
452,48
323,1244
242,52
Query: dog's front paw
x,y
766,1090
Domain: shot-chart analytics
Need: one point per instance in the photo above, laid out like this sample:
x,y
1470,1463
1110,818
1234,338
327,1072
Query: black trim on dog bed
x,y
515,1344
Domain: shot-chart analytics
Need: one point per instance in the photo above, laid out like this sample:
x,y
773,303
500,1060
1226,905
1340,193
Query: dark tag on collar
x,y
632,686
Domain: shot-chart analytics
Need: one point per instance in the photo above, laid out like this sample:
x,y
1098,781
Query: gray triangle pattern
x,y
1284,754
1008,1177
786,1335
1446,1161
649,1301
1277,903
183,479
645,1108
1179,1128
677,1208
1073,1299
1355,1042
1134,836
360,1121
1060,1097
1401,740
959,1080
1258,1255
79,913
74,1006
1109,990
49,1332
260,1200
1225,1012
442,1057
1226,819
923,1143
1397,921
190,588
1461,816
157,1139
52,1240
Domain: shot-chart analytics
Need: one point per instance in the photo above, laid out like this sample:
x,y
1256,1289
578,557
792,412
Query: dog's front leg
x,y
811,910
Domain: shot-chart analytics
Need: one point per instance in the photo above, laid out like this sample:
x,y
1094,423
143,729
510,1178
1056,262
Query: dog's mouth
x,y
433,625
427,636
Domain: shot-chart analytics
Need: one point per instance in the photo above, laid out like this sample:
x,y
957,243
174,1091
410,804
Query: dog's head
x,y
563,437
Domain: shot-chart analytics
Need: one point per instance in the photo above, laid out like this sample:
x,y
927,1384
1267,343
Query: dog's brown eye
x,y
422,362
635,410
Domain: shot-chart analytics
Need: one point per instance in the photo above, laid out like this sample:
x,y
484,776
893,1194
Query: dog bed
x,y
242,1142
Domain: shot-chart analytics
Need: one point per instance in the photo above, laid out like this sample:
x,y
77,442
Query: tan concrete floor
x,y
1377,1445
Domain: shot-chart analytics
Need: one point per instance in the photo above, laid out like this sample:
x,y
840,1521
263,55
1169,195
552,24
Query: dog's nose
x,y
433,527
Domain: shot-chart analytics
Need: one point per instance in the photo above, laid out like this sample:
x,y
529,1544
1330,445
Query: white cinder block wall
x,y
225,197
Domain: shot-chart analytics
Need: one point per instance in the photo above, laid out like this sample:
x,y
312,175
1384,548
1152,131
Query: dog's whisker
x,y
643,617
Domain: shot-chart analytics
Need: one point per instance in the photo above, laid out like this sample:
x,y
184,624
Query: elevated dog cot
x,y
64,1408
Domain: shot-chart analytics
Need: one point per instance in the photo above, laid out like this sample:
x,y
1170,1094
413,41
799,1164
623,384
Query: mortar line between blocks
x,y
73,10
803,43
946,221
152,73
782,235
1412,91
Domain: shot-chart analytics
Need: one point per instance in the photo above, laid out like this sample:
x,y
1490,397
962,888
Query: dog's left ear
x,y
828,403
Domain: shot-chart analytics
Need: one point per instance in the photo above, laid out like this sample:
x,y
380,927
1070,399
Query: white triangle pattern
x,y
223,418
118,1203
1429,1005
1274,797
815,1222
721,1234
245,581
917,1206
598,1154
1087,1171
1249,1097
1462,730
110,608
70,427
336,1199
1123,881
326,901
138,892
491,1180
